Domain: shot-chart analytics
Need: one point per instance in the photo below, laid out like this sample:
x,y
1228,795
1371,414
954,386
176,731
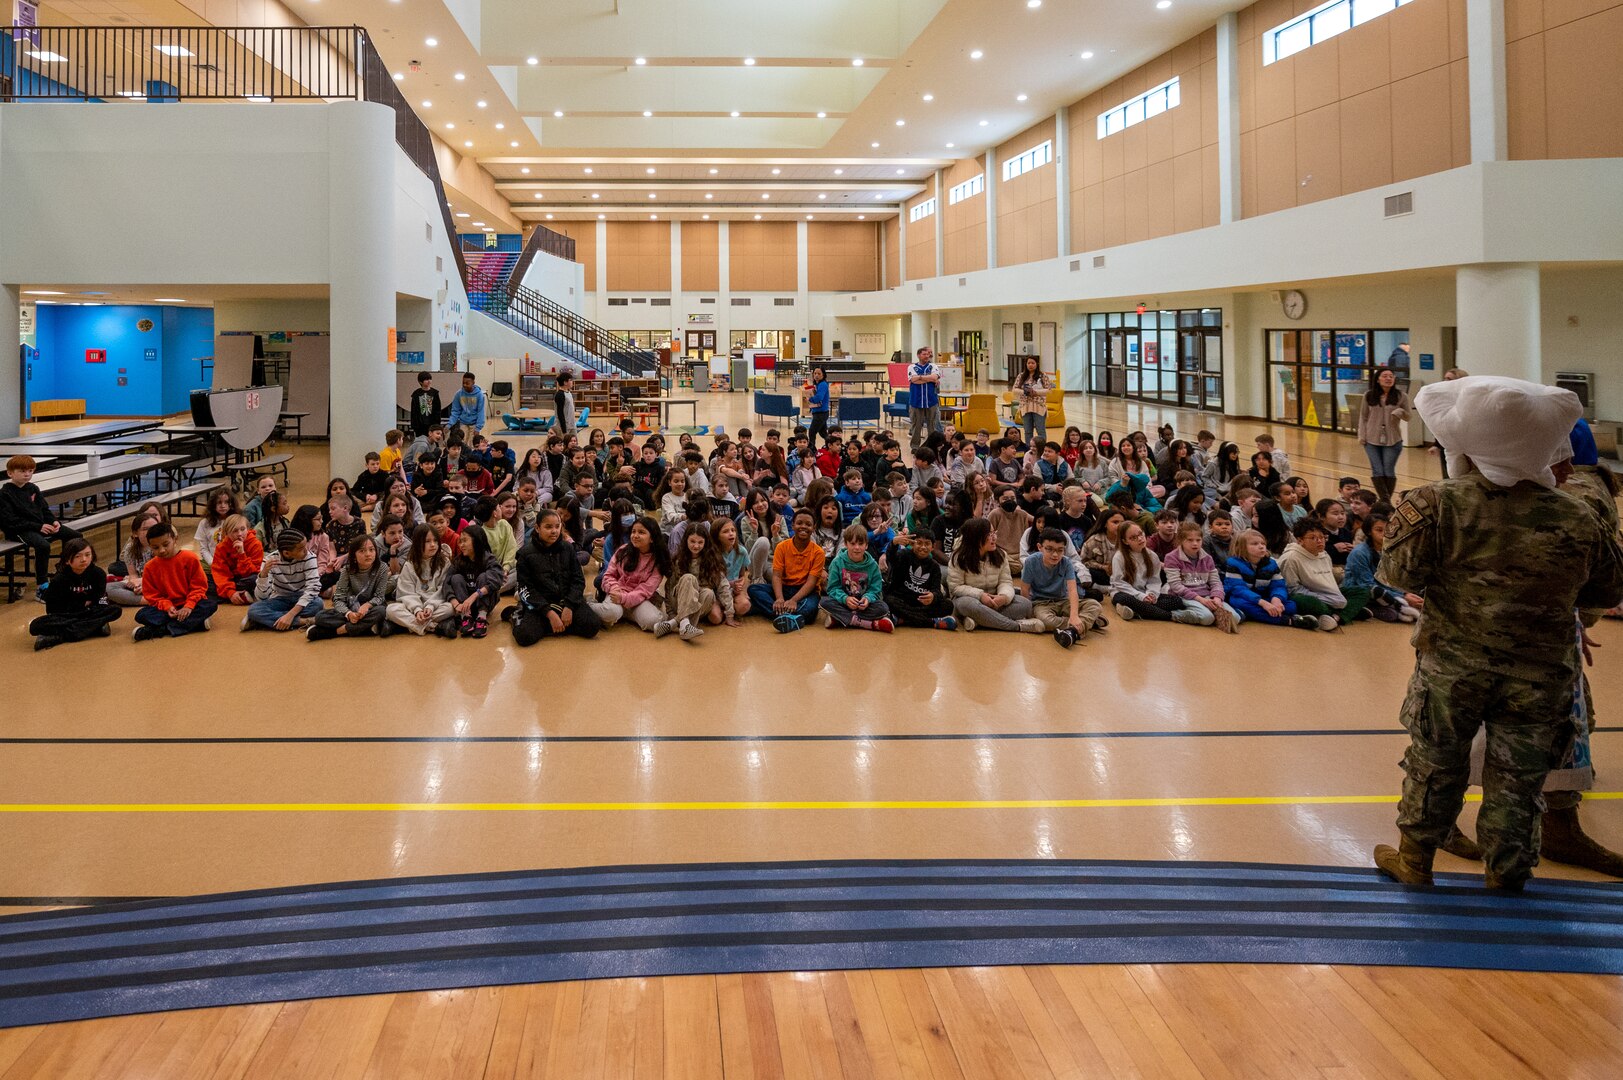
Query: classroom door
x,y
815,345
786,344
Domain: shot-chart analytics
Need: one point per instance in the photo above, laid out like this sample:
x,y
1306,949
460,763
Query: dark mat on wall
x,y
368,937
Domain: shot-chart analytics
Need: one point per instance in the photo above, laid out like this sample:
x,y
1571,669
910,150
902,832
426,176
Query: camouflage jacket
x,y
1501,570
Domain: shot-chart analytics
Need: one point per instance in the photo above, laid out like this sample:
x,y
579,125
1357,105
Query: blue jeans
x,y
1383,460
266,612
1034,423
761,600
192,624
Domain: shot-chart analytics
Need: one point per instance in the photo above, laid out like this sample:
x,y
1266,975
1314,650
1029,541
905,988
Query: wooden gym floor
x,y
1300,709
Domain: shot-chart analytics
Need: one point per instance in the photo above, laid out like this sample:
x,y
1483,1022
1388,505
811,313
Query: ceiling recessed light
x,y
595,195
714,171
862,217
708,195
640,61
428,104
501,127
857,62
976,55
901,172
479,104
168,300
398,77
549,217
749,61
985,122
431,42
167,50
479,224
1034,4
653,217
765,195
735,113
42,292
650,170
901,123
951,145
600,217
539,195
874,145
468,143
651,195
647,112
459,76
822,116
532,61
588,170
929,97
1088,55
1019,97
757,217
489,228
1162,5
839,172
823,196
525,170
462,215
450,127
878,197
808,217
777,172
557,114
705,216
514,144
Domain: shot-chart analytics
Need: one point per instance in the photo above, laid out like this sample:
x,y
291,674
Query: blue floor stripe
x,y
485,929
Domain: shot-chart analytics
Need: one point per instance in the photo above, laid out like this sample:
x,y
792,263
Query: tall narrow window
x,y
1139,109
1321,24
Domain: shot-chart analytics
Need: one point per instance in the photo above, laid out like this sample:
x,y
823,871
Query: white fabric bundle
x,y
1512,430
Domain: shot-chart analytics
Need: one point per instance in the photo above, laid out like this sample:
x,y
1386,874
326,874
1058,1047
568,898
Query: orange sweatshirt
x,y
174,582
228,566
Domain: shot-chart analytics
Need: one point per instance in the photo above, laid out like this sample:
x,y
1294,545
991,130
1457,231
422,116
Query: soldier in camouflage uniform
x,y
1502,560
1562,837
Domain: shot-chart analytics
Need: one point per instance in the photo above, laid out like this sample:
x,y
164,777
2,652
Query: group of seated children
x,y
984,533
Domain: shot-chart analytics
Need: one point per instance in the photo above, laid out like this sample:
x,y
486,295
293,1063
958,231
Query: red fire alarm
x,y
1141,309
95,356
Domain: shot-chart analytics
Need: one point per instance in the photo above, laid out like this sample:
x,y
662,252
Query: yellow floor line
x,y
588,807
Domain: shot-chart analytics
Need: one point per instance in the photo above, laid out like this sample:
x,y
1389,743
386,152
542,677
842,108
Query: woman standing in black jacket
x,y
76,604
551,587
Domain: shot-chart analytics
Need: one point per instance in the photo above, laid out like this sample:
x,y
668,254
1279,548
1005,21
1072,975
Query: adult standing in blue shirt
x,y
468,408
924,397
818,406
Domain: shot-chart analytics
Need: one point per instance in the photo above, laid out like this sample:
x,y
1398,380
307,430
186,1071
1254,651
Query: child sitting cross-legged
x,y
288,592
1193,577
855,586
174,587
76,604
419,589
1255,587
982,585
475,582
914,590
1135,579
702,590
1361,588
551,587
634,576
739,564
1048,580
1310,577
360,597
238,558
789,599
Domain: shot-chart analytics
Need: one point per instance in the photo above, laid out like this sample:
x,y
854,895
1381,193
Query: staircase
x,y
495,289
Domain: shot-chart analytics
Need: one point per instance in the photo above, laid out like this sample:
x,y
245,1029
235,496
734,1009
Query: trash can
x,y
202,412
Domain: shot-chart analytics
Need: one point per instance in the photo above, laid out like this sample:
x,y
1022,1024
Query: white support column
x,y
802,325
602,268
1228,118
1500,325
1485,71
11,373
724,295
361,291
1062,181
940,229
918,332
990,183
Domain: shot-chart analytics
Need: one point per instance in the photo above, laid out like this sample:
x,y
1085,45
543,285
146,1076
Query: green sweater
x,y
847,577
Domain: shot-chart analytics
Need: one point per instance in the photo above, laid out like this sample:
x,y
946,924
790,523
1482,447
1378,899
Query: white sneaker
x,y
968,624
247,624
1327,622
1124,611
1408,614
1032,626
663,627
689,632
208,623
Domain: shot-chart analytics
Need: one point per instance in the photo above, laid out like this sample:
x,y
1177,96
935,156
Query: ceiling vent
x,y
1400,204
1098,262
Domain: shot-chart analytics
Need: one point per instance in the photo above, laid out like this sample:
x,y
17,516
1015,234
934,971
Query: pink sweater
x,y
1188,578
637,585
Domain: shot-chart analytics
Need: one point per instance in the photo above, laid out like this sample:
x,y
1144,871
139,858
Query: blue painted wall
x,y
161,385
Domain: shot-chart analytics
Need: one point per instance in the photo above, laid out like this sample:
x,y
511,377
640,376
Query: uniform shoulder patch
x,y
1410,514
1418,509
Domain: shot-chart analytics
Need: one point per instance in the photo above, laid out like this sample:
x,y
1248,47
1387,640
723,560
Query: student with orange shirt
x,y
174,587
238,558
790,599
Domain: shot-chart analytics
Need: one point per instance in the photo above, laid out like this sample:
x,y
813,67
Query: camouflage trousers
x,y
1530,731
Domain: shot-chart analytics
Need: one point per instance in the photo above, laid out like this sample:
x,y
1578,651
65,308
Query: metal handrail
x,y
544,240
619,352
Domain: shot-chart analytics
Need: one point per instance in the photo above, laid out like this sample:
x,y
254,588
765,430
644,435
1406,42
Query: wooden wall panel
x,y
842,256
920,239
761,256
893,252
701,256
1158,177
639,256
964,227
1564,98
584,233
1026,210
1379,103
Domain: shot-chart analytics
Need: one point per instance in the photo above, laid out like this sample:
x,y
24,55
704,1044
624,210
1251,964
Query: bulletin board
x,y
871,345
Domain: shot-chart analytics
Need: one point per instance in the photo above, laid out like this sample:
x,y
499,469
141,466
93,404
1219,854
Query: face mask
x,y
1008,504
627,519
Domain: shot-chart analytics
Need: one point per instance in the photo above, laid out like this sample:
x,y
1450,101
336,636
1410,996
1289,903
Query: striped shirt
x,y
283,578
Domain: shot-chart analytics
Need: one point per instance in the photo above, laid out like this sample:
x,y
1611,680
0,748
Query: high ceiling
x,y
886,91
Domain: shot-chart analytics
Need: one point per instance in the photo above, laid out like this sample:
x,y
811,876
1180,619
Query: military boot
x,y
1462,847
1564,841
1406,864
